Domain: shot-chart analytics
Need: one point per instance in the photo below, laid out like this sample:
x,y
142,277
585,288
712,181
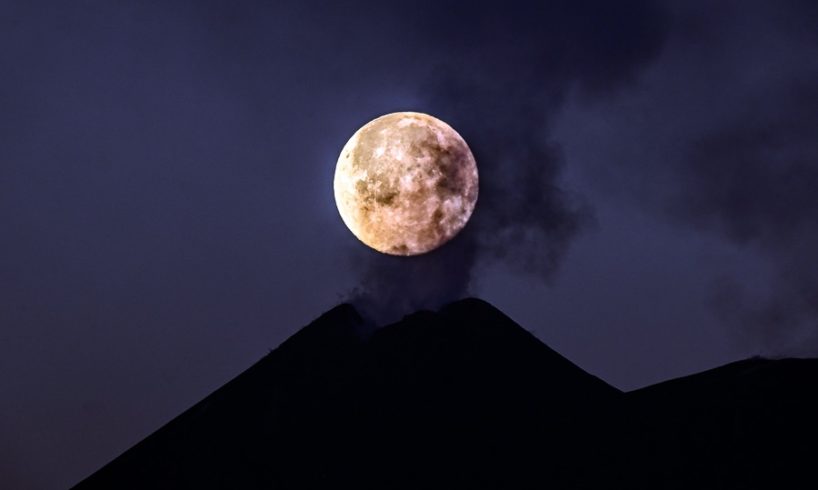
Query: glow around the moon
x,y
405,183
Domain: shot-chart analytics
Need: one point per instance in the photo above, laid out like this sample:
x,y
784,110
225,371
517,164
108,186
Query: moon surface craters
x,y
406,183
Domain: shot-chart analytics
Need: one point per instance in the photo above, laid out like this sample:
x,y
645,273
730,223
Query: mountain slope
x,y
441,394
466,398
749,424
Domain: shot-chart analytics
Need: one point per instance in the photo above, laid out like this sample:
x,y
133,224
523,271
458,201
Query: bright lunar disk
x,y
405,183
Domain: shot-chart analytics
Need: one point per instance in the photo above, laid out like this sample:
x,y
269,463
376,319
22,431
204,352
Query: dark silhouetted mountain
x,y
465,398
749,424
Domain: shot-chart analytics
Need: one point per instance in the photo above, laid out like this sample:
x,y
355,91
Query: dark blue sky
x,y
647,207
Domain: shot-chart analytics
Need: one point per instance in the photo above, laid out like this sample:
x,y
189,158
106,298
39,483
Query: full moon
x,y
405,183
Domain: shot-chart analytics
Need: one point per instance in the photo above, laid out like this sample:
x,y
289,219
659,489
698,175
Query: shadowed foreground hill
x,y
465,398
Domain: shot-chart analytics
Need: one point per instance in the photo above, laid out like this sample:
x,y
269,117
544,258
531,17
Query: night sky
x,y
648,202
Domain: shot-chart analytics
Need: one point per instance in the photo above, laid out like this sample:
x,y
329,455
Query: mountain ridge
x,y
460,397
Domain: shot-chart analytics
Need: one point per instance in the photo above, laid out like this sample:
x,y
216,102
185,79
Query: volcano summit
x,y
465,398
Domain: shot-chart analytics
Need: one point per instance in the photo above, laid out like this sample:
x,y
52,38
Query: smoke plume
x,y
502,99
